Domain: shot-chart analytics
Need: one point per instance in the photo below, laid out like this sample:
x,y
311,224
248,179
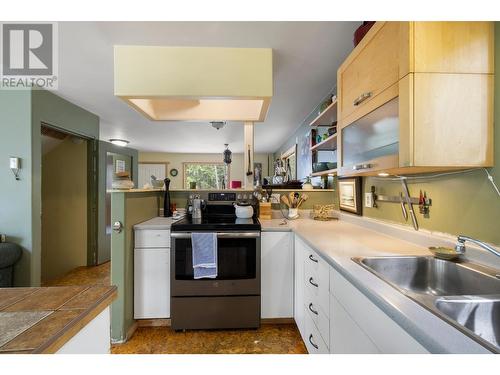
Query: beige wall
x,y
176,160
64,209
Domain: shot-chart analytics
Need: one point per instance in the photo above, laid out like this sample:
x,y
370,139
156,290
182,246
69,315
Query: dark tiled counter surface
x,y
42,320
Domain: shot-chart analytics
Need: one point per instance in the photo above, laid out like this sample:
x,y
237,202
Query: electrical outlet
x,y
368,200
275,197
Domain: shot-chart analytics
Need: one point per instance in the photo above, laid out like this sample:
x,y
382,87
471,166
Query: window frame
x,y
186,163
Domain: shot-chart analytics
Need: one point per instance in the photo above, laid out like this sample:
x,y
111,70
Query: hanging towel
x,y
204,255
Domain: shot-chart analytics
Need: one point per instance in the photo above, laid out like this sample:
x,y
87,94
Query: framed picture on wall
x,y
350,194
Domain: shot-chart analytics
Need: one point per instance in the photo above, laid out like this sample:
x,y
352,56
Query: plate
x,y
444,252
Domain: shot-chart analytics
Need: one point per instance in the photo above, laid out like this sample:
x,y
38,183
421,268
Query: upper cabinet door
x,y
371,68
452,47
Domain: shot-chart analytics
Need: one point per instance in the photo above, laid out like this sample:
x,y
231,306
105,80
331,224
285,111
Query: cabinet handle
x,y
358,167
312,258
360,99
312,310
312,343
311,281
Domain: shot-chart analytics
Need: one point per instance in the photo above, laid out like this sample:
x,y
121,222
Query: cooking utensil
x,y
285,200
403,208
249,170
408,202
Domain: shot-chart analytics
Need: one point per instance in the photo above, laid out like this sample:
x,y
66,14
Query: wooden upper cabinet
x,y
370,69
435,81
452,47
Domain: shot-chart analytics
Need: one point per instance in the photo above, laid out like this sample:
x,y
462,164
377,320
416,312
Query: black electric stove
x,y
232,298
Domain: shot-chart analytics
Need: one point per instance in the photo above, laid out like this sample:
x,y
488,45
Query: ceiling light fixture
x,y
119,142
195,83
218,124
383,174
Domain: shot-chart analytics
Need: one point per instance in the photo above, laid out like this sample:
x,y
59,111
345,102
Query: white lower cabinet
x,y
359,326
311,304
313,338
345,335
299,300
277,275
151,283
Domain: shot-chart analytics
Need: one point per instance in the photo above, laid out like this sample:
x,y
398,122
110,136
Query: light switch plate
x,y
368,200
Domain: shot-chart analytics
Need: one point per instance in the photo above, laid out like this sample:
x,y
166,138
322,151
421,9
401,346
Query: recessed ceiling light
x,y
383,174
119,142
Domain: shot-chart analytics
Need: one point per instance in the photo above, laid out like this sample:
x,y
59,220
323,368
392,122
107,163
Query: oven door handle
x,y
219,234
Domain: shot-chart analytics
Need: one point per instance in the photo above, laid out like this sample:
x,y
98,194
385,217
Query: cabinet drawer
x,y
318,315
152,238
317,283
314,342
374,67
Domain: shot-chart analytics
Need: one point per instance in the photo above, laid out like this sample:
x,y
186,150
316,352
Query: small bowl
x,y
444,253
157,184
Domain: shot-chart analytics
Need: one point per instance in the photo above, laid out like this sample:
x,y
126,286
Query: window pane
x,y
206,175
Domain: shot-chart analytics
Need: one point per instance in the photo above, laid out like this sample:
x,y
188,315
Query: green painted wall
x,y
129,209
461,204
15,196
21,115
103,199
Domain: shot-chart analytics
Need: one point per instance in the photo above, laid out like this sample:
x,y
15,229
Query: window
x,y
205,175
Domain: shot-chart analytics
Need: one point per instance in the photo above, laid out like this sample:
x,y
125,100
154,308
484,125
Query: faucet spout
x,y
460,245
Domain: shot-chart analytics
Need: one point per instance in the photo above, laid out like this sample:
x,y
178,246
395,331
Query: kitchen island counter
x,y
44,320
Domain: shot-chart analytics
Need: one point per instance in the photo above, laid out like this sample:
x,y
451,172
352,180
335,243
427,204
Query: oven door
x,y
238,266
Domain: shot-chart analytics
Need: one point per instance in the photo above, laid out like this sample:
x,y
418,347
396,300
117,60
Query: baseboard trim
x,y
277,321
131,331
168,323
154,322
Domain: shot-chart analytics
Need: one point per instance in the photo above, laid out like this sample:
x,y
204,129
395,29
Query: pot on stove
x,y
244,210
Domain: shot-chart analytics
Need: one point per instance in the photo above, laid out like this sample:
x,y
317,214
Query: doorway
x,y
67,201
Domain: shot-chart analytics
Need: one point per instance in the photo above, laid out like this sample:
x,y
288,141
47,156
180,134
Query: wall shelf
x,y
322,173
326,117
329,144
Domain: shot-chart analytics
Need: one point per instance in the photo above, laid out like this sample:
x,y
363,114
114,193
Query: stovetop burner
x,y
215,223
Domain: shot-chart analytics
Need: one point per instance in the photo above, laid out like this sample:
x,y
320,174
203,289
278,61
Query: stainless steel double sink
x,y
464,294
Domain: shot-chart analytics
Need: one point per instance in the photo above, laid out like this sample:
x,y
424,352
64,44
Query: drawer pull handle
x,y
312,310
313,259
360,99
311,281
312,343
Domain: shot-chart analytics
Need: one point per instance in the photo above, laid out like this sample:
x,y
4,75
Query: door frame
x,y
92,189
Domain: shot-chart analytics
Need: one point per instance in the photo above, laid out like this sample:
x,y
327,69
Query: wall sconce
x,y
15,166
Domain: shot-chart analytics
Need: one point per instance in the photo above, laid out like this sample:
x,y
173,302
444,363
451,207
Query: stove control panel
x,y
221,197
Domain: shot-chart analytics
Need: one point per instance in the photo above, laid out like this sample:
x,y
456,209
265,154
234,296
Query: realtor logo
x,y
29,56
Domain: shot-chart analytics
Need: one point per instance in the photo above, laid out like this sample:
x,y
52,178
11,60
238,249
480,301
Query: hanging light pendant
x,y
227,154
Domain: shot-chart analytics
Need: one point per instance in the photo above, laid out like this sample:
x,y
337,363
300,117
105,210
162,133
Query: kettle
x,y
243,210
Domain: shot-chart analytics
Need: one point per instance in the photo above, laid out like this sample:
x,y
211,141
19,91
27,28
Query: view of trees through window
x,y
206,175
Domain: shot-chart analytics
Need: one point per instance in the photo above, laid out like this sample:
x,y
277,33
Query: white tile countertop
x,y
338,241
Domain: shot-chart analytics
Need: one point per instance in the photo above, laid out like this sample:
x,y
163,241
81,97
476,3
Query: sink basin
x,y
432,276
481,316
466,295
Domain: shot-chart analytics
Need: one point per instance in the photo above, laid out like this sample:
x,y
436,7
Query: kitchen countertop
x,y
42,320
156,223
338,241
